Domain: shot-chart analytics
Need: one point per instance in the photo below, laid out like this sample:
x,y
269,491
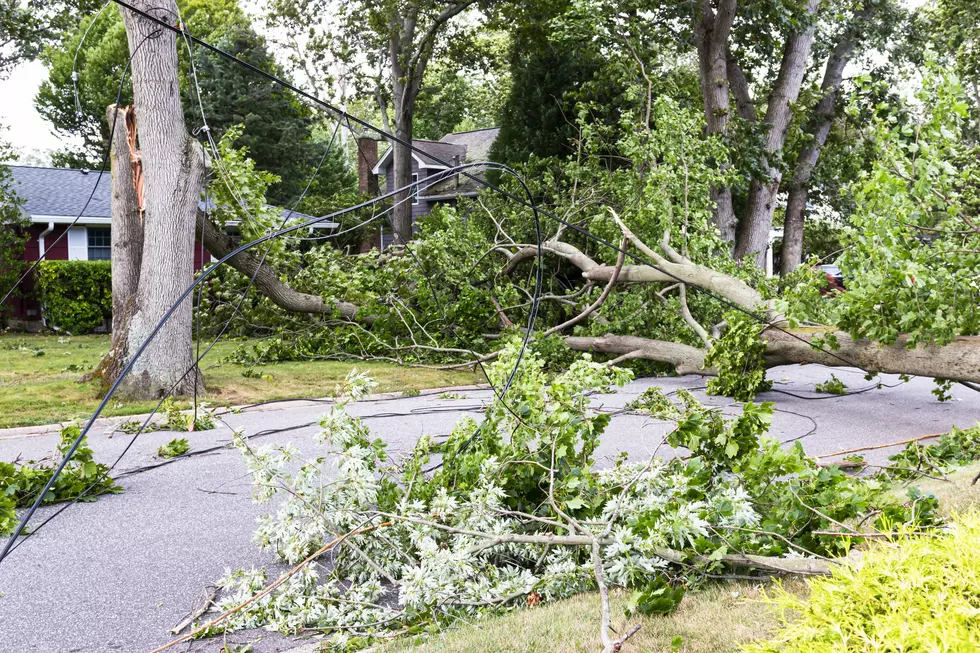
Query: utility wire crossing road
x,y
116,575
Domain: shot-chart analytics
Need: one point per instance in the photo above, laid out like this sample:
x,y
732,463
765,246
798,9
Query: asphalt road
x,y
117,574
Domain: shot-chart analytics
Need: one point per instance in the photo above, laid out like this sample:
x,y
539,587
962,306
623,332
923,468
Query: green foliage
x,y
942,389
833,386
956,448
21,483
908,594
739,358
912,262
14,223
178,420
174,448
657,597
439,535
76,295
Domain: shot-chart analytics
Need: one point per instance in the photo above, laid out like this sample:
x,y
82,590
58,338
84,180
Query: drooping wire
x,y
74,62
163,320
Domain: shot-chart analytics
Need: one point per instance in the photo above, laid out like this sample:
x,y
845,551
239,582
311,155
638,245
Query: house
x,y
428,166
54,200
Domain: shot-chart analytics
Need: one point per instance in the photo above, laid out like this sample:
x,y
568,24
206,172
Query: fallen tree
x,y
958,360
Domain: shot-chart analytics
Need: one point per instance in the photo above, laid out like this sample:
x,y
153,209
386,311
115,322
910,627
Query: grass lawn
x,y
39,379
716,619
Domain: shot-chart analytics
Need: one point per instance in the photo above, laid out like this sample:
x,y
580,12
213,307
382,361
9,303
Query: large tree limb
x,y
267,281
956,361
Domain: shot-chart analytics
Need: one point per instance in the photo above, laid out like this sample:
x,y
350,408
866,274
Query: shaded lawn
x,y
39,379
715,619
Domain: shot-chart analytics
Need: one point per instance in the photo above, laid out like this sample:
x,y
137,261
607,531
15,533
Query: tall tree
x,y
173,171
385,48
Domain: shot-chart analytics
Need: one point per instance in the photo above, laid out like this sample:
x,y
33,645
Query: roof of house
x,y
51,192
62,193
477,142
468,146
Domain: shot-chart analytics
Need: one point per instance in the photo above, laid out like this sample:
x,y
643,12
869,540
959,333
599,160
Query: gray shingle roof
x,y
477,145
477,142
62,191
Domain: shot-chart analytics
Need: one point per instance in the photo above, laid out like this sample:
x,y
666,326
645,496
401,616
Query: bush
x,y
915,595
76,295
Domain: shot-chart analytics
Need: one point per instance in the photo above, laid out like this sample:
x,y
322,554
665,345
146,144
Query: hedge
x,y
76,296
918,594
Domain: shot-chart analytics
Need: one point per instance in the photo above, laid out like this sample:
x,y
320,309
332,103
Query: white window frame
x,y
77,244
415,188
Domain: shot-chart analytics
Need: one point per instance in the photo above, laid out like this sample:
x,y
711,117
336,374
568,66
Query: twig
x,y
224,615
196,614
881,446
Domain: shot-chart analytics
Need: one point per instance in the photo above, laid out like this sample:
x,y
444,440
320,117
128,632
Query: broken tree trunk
x,y
173,167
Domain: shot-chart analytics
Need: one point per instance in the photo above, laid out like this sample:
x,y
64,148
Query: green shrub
x,y
76,295
918,594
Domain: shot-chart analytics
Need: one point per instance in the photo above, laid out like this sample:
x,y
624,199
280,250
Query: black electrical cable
x,y
187,292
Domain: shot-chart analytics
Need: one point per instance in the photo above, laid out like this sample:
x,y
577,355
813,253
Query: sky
x,y
27,132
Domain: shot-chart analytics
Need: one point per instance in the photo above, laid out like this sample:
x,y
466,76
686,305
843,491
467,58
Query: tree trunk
x,y
754,228
127,240
402,213
174,170
957,361
711,32
822,120
400,53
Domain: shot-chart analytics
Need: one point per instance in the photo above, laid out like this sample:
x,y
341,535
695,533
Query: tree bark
x,y
399,53
173,166
267,280
711,32
791,254
127,227
957,361
753,236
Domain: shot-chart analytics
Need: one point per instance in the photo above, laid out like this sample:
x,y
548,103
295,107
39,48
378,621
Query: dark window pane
x,y
99,244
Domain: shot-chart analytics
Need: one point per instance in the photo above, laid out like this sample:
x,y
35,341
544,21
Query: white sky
x,y
28,132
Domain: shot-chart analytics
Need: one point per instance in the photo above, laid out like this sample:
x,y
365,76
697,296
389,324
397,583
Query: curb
x,y
106,423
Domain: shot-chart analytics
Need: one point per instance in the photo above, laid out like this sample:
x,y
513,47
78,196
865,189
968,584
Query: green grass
x,y
39,379
717,619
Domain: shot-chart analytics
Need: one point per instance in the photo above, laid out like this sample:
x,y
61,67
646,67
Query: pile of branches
x,y
518,510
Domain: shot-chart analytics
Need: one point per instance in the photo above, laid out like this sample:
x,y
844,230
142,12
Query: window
x,y
99,244
415,188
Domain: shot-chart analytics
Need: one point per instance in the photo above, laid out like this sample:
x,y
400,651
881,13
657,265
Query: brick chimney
x,y
367,158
